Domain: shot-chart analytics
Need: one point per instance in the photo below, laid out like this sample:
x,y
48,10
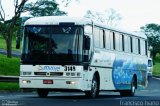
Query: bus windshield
x,y
52,44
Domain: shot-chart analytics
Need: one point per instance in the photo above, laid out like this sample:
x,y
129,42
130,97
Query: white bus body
x,y
64,53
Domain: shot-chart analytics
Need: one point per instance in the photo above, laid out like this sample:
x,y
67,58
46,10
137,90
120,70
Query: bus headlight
x,y
70,82
26,81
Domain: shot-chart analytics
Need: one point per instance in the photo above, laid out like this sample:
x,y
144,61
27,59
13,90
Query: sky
x,y
134,13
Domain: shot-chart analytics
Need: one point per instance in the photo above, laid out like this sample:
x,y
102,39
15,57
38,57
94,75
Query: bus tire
x,y
42,93
94,92
130,92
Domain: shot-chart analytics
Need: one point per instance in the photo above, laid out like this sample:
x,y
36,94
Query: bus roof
x,y
55,20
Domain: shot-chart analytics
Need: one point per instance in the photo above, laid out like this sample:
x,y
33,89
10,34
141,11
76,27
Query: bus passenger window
x,y
131,44
107,39
146,50
102,39
122,42
114,41
143,47
117,42
126,41
139,47
135,45
96,37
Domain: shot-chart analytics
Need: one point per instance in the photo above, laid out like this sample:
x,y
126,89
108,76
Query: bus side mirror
x,y
17,42
87,43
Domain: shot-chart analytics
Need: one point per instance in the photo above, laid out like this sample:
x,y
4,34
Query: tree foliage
x,y
152,31
44,8
7,26
39,8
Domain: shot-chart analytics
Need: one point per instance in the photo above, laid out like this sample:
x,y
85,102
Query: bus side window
x,y
136,41
107,39
122,42
117,41
143,48
126,43
146,46
96,37
131,45
135,45
139,47
112,39
102,39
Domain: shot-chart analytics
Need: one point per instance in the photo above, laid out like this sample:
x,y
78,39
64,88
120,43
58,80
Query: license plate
x,y
47,81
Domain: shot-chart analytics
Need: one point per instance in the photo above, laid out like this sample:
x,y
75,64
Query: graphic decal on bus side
x,y
123,71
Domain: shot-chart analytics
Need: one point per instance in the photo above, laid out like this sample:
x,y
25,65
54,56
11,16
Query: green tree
x,y
152,31
8,26
44,8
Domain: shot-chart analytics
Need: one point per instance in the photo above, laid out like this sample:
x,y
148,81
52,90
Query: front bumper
x,y
58,83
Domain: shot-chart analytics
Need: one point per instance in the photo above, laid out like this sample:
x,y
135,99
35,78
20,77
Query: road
x,y
147,97
14,53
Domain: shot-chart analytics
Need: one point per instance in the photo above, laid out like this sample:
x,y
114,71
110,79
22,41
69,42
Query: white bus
x,y
76,54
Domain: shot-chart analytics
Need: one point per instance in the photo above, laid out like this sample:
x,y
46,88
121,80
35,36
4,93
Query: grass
x,y
9,66
3,44
156,67
9,86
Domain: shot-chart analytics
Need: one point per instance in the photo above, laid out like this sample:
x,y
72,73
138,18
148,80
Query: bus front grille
x,y
48,73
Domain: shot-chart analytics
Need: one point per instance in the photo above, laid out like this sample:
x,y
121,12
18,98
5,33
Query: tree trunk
x,y
9,43
11,23
154,55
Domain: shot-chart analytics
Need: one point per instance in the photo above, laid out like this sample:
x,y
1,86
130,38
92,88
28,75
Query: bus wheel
x,y
133,87
94,92
42,93
132,90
